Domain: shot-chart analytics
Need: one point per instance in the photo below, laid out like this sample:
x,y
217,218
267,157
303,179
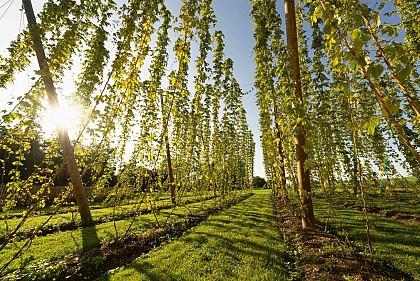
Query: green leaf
x,y
352,64
17,163
327,27
377,20
404,73
393,105
313,19
318,12
375,70
371,125
346,87
355,35
403,59
330,41
310,164
350,126
363,60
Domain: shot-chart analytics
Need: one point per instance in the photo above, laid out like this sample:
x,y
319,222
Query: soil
x,y
323,256
82,266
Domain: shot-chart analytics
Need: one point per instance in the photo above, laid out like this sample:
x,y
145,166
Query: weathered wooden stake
x,y
63,136
308,218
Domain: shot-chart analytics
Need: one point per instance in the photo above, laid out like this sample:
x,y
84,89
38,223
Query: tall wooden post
x,y
170,171
63,137
171,180
308,218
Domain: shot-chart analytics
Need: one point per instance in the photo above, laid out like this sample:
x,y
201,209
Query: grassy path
x,y
237,244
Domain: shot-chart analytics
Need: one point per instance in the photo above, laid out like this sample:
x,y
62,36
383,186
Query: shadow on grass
x,y
89,238
240,243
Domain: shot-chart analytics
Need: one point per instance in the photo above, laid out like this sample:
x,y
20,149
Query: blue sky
x,y
234,19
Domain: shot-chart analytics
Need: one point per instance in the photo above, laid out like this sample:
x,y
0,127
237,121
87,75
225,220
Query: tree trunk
x,y
63,137
308,218
170,171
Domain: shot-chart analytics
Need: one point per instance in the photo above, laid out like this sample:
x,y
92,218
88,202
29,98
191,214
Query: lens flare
x,y
65,116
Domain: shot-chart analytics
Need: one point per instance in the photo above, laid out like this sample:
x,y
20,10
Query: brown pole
x,y
63,137
308,218
170,171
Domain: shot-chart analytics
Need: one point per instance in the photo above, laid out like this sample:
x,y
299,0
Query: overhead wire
x,y
5,3
27,73
21,21
7,9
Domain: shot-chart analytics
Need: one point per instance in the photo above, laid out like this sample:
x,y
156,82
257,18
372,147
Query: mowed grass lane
x,y
239,243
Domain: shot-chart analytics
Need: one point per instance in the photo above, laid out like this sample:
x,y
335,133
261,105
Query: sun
x,y
64,116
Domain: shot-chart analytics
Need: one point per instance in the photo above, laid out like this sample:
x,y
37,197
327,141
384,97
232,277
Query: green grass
x,y
397,199
238,244
104,210
155,196
61,244
392,204
394,241
381,201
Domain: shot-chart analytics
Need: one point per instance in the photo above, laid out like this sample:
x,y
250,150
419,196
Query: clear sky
x,y
233,18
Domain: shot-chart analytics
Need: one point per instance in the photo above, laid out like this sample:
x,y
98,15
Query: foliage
x,y
360,96
360,109
193,139
258,182
41,270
